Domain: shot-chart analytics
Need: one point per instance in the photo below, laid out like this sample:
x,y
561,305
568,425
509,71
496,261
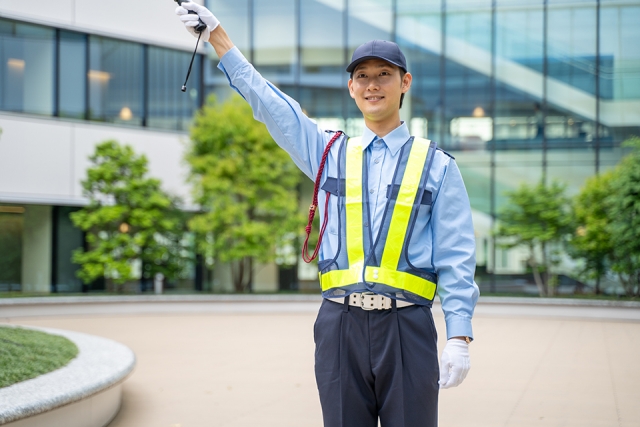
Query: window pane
x,y
321,34
170,108
571,93
322,103
275,36
419,30
369,20
11,228
519,116
115,81
68,239
26,67
234,14
72,74
467,100
619,70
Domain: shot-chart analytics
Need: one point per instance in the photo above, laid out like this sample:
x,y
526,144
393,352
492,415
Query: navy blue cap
x,y
378,49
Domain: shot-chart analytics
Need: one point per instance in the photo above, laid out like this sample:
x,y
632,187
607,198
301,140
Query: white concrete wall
x,y
152,22
43,161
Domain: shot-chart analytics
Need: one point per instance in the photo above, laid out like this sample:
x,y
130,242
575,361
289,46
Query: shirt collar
x,y
394,139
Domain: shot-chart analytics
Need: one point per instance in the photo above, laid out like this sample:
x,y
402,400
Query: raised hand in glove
x,y
454,363
191,21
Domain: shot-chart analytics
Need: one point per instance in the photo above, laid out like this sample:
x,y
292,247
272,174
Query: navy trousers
x,y
376,364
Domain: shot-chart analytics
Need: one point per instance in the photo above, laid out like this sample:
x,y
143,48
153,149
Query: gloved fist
x,y
191,20
454,363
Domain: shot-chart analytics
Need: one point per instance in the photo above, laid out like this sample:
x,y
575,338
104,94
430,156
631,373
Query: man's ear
x,y
350,85
406,82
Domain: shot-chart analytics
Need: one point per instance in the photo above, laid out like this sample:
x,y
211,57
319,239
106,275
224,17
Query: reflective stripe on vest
x,y
387,273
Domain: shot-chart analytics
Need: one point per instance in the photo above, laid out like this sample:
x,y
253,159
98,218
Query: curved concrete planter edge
x,y
95,375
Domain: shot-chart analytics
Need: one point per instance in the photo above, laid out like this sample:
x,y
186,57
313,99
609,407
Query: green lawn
x,y
25,354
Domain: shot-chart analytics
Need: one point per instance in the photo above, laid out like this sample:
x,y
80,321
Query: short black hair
x,y
402,73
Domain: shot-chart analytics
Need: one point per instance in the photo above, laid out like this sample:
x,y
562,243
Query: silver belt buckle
x,y
362,296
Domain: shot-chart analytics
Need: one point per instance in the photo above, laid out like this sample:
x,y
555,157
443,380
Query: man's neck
x,y
383,128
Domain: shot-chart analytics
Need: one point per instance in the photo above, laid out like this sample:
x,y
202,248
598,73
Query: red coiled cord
x,y
314,206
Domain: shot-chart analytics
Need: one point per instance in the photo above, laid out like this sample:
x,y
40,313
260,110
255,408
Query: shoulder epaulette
x,y
440,149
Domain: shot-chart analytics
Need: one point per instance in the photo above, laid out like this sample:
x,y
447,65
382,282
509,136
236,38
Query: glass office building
x,y
55,75
516,90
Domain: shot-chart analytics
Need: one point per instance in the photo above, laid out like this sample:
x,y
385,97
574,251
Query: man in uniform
x,y
399,228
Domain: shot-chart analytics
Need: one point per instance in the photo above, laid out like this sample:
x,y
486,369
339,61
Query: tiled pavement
x,y
251,364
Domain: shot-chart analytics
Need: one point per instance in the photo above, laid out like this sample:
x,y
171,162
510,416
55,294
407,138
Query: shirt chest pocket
x,y
336,187
425,201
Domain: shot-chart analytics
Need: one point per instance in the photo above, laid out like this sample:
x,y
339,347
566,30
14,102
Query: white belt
x,y
370,301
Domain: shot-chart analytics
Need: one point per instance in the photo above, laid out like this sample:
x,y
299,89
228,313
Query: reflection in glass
x,y
235,16
419,29
619,69
116,81
571,167
369,20
321,38
67,239
468,74
275,36
519,116
320,102
168,107
72,74
26,67
571,93
514,167
11,229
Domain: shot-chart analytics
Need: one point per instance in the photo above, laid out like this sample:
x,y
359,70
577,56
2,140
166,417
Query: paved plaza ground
x,y
251,364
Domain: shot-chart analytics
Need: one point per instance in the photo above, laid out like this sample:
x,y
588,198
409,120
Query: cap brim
x,y
355,63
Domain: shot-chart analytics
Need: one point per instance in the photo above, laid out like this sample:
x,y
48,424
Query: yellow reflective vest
x,y
380,264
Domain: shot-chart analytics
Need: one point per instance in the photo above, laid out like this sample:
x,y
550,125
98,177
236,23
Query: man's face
x,y
376,87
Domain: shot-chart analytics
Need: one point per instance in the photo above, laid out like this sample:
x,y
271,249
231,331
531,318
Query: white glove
x,y
454,363
191,20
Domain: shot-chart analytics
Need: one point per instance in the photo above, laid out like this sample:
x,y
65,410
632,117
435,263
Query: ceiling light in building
x,y
16,64
570,122
101,76
126,114
478,112
124,227
12,209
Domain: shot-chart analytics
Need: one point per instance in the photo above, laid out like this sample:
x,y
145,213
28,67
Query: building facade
x,y
517,90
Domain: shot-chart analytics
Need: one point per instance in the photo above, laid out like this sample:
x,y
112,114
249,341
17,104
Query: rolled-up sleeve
x,y
292,130
454,252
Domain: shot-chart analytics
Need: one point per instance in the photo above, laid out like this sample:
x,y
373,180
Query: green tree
x,y
129,220
537,218
245,185
591,240
624,219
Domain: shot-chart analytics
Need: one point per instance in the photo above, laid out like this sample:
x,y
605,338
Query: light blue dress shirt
x,y
442,240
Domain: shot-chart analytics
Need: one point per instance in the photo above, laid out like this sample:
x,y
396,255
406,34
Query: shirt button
x,y
366,224
371,191
376,161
